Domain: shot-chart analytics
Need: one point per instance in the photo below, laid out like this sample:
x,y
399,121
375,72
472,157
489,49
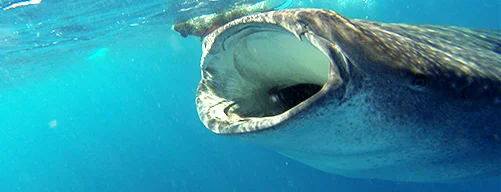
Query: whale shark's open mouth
x,y
257,75
273,72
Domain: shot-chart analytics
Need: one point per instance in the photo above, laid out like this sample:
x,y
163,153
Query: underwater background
x,y
100,96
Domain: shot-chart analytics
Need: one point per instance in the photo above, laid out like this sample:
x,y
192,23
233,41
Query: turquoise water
x,y
99,96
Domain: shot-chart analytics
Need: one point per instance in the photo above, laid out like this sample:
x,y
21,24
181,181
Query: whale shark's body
x,y
358,98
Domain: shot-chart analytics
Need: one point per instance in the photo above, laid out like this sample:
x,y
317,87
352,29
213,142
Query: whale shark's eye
x,y
419,82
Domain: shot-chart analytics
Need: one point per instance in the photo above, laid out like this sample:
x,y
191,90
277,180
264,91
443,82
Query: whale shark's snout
x,y
357,98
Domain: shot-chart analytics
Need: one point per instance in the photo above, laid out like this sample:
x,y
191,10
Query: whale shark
x,y
357,98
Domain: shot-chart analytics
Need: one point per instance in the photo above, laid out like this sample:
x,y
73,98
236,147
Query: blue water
x,y
99,96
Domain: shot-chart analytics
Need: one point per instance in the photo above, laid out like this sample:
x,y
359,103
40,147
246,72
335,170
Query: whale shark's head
x,y
357,98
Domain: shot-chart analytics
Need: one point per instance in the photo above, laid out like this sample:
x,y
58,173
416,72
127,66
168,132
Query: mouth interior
x,y
269,72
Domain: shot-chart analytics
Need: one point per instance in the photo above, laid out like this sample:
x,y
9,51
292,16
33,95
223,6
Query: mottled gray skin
x,y
382,122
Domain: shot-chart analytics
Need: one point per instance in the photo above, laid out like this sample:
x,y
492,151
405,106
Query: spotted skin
x,y
416,103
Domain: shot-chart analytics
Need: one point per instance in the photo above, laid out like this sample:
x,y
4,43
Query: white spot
x,y
274,98
53,123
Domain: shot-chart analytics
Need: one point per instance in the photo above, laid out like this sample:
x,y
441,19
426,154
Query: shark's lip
x,y
239,68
